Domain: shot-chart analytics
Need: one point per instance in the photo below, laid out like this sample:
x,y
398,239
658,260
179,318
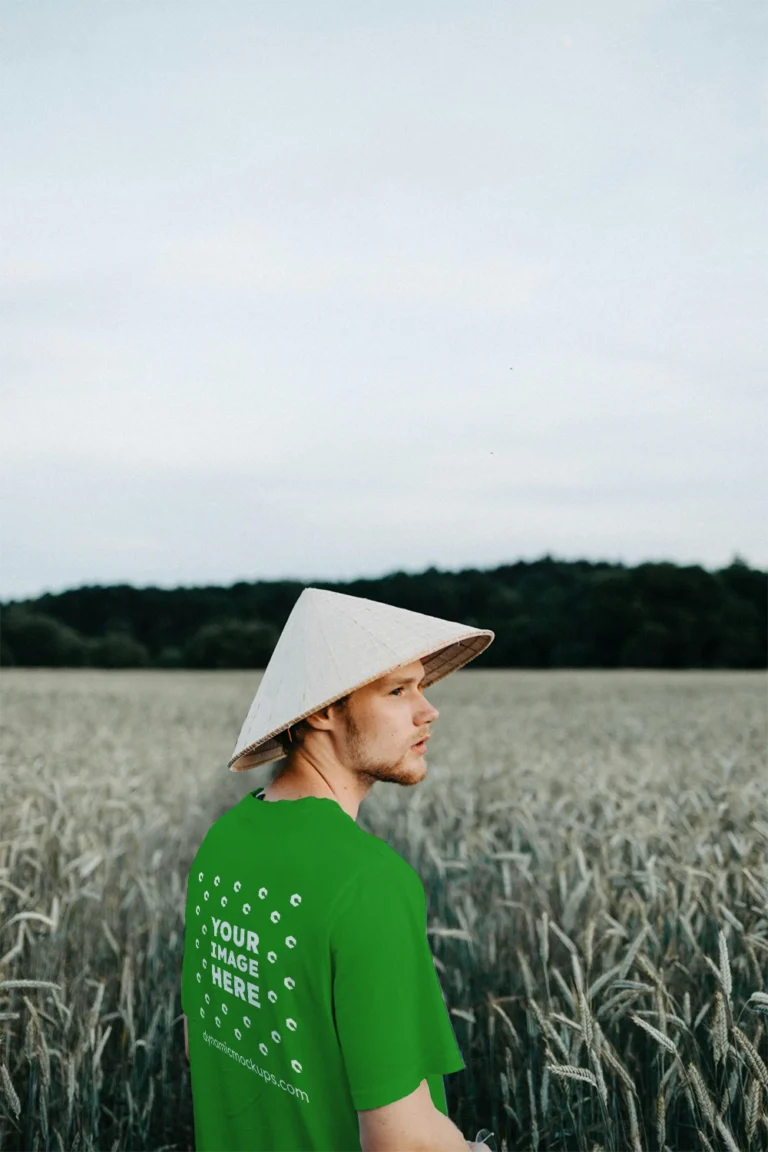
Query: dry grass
x,y
594,848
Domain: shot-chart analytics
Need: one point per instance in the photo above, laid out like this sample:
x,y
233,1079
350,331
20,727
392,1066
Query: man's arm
x,y
186,1037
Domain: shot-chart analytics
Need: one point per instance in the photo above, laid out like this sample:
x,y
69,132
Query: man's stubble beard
x,y
368,769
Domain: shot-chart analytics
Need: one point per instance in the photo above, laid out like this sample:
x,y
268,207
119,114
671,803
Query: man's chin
x,y
414,770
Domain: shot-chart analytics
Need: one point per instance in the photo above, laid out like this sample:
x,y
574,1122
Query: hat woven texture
x,y
333,644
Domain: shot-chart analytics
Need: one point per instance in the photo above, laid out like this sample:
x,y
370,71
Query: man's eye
x,y
396,690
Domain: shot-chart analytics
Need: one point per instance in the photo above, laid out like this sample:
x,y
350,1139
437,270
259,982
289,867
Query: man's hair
x,y
299,730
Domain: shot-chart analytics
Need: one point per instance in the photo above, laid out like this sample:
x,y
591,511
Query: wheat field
x,y
594,848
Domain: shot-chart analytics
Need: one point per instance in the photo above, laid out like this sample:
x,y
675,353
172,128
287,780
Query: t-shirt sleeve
x,y
391,1018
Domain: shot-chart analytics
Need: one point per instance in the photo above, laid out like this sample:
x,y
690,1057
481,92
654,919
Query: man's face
x,y
382,722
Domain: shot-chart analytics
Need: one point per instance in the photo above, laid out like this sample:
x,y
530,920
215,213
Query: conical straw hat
x,y
333,644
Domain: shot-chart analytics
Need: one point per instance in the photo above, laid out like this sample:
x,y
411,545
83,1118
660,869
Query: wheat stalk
x,y
644,963
532,1101
726,1134
752,1056
706,1102
752,1108
598,1070
44,1113
562,936
70,1079
613,1061
661,1118
589,937
564,988
719,1030
544,1096
634,1130
586,1020
577,974
758,1002
9,1090
632,951
527,974
659,1037
725,965
570,1071
544,940
4,984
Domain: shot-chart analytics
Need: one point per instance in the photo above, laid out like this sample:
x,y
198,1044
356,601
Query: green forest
x,y
546,613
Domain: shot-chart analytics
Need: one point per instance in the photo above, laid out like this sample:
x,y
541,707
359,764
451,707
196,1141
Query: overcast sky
x,y
324,290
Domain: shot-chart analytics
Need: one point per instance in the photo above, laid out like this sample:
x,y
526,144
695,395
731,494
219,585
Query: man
x,y
316,1018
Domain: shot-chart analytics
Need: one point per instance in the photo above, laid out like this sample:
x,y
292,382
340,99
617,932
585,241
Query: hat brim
x,y
439,662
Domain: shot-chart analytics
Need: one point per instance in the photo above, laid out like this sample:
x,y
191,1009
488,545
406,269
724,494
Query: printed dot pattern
x,y
278,955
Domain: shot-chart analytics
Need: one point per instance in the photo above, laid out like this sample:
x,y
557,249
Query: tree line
x,y
546,613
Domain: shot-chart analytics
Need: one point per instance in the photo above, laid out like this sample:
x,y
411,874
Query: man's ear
x,y
321,719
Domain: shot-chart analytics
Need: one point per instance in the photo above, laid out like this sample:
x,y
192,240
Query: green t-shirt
x,y
308,981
